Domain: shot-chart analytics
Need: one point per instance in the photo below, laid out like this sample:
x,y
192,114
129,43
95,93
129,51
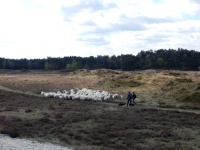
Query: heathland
x,y
167,113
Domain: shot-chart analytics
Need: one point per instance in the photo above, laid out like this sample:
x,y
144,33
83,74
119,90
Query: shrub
x,y
184,80
193,97
13,133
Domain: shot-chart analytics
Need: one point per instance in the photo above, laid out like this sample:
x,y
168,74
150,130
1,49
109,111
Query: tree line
x,y
181,59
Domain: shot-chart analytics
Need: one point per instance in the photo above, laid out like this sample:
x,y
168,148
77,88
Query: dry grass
x,y
151,85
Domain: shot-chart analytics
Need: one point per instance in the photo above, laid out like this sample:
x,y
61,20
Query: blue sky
x,y
58,28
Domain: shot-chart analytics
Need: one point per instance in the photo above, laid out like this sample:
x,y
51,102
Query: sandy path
x,y
7,143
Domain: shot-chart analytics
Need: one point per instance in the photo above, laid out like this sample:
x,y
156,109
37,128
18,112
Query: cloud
x,y
95,41
41,28
124,24
5,43
113,29
195,1
172,35
88,23
98,18
85,5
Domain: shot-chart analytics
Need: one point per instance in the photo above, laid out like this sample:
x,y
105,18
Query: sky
x,y
58,28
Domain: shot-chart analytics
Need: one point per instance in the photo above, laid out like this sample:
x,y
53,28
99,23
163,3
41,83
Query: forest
x,y
180,59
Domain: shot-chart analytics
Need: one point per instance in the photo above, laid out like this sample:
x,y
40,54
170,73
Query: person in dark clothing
x,y
129,98
134,97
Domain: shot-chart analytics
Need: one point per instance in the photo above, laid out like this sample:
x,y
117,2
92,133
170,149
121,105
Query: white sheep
x,y
115,96
83,94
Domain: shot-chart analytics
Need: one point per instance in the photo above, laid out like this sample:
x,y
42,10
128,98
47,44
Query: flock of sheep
x,y
83,94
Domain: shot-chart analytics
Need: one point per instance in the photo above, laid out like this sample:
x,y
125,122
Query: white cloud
x,y
41,28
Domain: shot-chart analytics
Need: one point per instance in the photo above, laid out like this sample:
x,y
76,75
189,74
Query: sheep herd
x,y
83,94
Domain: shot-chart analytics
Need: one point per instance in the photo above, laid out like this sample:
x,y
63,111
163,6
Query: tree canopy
x,y
181,59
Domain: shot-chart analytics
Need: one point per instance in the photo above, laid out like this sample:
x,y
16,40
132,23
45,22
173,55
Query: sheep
x,y
52,94
65,95
107,98
66,92
83,94
83,97
61,96
45,94
115,96
72,91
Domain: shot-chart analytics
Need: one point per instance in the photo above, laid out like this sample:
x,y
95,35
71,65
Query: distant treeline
x,y
181,59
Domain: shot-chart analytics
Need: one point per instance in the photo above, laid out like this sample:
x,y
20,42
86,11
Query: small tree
x,y
72,66
160,62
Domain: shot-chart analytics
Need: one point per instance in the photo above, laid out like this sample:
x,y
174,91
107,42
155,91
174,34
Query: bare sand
x,y
7,143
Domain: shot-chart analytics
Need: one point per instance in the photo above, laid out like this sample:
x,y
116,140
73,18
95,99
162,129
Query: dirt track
x,y
90,125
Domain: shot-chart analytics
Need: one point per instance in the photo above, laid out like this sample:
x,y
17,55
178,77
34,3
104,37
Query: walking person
x,y
129,98
134,97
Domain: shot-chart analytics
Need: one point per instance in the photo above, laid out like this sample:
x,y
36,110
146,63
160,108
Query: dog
x,y
131,104
122,104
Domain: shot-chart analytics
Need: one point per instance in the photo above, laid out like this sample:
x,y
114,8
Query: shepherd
x,y
129,98
134,97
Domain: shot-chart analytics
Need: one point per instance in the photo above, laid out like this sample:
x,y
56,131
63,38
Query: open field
x,y
167,113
